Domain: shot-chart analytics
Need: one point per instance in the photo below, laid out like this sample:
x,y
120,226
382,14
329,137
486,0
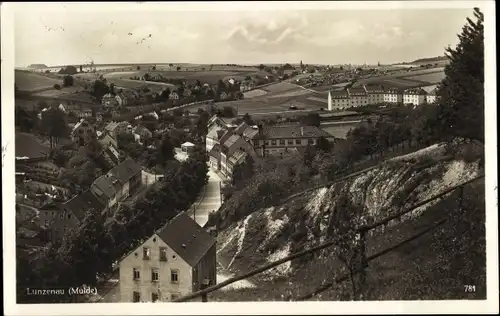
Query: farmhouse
x,y
414,96
282,139
141,133
175,261
83,132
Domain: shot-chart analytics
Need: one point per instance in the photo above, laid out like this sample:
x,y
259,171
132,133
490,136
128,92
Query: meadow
x,y
29,81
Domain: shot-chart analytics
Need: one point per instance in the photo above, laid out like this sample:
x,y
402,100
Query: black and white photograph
x,y
227,156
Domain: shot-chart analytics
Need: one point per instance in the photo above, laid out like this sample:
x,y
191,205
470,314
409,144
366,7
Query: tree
x,y
166,150
248,119
98,89
138,68
261,66
165,94
461,93
178,68
60,158
68,81
323,144
54,125
57,86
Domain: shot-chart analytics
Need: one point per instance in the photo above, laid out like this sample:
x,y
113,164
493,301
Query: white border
x,y
425,307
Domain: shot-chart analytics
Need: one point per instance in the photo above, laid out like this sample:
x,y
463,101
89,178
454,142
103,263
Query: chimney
x,y
261,130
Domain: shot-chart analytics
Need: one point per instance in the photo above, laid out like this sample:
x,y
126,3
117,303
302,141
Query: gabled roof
x,y
82,203
188,239
126,170
238,157
106,186
215,151
231,141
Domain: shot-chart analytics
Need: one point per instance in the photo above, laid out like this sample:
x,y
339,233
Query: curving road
x,y
210,201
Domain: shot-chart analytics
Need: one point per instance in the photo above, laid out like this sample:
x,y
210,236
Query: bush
x,y
57,86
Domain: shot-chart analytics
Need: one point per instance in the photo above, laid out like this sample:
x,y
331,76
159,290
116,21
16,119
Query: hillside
x,y
273,233
37,66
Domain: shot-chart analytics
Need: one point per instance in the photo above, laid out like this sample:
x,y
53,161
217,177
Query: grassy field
x,y
429,77
29,81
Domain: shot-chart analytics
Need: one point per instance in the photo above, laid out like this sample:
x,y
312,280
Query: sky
x,y
69,33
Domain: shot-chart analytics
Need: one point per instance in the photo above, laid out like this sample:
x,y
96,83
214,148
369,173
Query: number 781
x,y
470,288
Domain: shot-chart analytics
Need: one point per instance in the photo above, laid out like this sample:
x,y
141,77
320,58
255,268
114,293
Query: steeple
x,y
330,106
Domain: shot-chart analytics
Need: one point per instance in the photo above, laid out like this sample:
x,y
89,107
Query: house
x,y
214,157
121,99
282,138
187,147
141,133
415,96
59,219
106,140
187,92
83,132
431,96
229,146
116,128
393,96
216,129
173,96
175,261
109,100
119,183
235,159
223,95
84,113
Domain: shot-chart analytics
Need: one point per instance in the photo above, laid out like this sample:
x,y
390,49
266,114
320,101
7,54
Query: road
x,y
211,200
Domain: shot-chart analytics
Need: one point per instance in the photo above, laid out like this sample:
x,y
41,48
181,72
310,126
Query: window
x,y
69,216
267,143
273,142
174,276
310,141
282,142
297,142
136,297
61,216
163,254
154,275
145,253
46,223
290,142
136,274
154,297
52,214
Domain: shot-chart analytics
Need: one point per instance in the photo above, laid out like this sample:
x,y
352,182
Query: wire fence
x,y
360,230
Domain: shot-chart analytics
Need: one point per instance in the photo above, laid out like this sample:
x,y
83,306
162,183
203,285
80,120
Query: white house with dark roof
x,y
119,183
174,262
